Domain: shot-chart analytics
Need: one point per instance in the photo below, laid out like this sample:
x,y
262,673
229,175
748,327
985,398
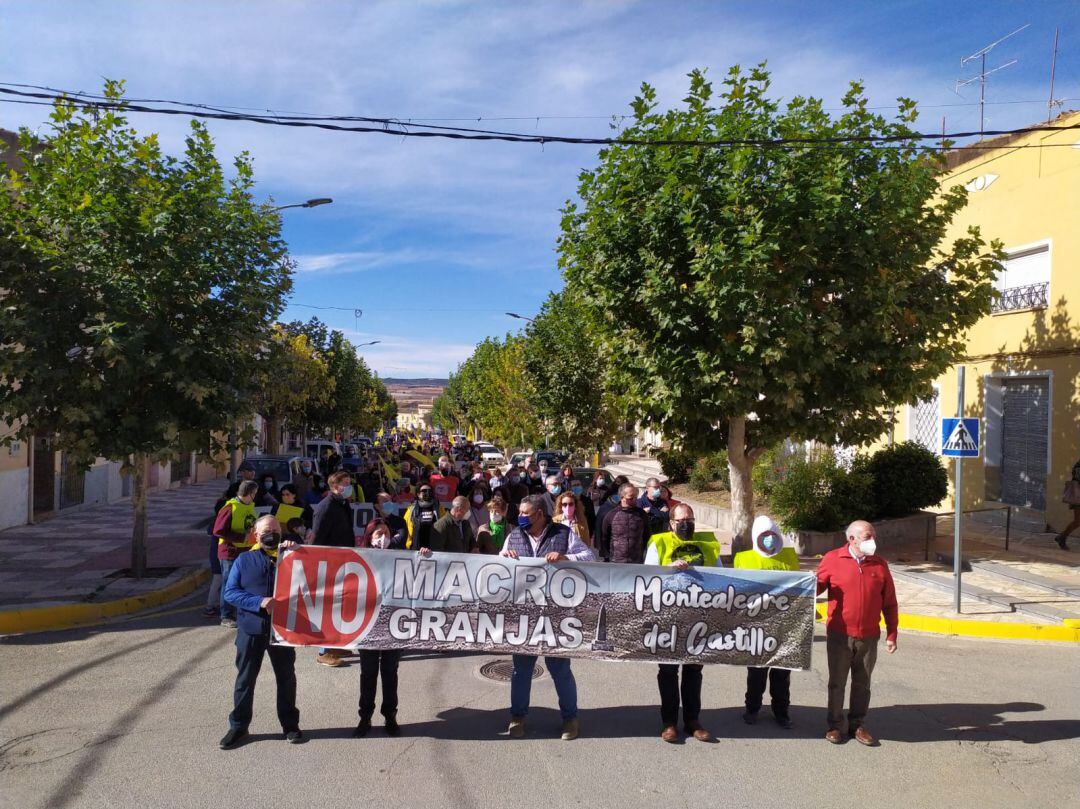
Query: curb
x,y
1064,633
68,616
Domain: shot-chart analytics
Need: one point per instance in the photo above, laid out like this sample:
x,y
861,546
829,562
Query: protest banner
x,y
349,598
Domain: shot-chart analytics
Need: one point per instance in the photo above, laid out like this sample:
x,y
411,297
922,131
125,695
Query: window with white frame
x,y
923,422
1024,279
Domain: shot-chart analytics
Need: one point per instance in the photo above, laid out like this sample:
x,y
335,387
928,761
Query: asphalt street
x,y
130,714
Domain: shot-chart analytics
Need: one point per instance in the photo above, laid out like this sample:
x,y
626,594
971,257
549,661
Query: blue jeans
x,y
227,610
561,675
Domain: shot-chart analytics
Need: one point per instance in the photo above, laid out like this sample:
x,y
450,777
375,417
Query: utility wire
x,y
389,126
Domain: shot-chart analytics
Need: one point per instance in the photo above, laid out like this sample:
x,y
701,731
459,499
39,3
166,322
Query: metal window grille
x,y
925,419
1032,296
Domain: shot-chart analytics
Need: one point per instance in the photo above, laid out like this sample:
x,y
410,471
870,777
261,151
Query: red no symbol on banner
x,y
324,597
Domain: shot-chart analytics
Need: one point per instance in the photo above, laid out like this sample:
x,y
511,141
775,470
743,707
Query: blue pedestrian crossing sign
x,y
960,438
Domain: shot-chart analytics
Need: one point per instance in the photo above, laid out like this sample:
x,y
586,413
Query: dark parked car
x,y
553,457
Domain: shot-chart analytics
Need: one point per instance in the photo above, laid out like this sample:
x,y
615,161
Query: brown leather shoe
x,y
863,736
834,737
699,732
670,734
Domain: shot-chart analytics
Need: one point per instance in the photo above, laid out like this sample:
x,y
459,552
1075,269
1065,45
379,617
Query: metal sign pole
x,y
959,493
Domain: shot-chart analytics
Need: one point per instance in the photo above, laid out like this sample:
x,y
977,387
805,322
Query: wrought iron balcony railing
x,y
1032,296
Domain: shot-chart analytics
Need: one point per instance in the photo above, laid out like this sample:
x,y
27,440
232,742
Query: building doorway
x,y
44,482
1025,421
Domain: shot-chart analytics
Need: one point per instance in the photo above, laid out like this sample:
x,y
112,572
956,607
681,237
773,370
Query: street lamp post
x,y
372,343
311,203
519,317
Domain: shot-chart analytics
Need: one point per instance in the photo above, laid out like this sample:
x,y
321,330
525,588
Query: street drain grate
x,y
501,670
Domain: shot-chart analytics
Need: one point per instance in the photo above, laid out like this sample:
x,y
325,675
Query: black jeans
x,y
779,689
249,658
670,692
372,664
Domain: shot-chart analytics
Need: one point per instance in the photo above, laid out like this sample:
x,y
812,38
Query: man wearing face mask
x,y
537,537
767,552
610,500
554,485
624,534
444,481
535,479
861,591
332,524
653,504
422,516
681,547
249,589
306,480
453,533
232,527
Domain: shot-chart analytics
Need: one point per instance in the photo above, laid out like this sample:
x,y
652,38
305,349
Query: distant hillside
x,y
414,383
408,393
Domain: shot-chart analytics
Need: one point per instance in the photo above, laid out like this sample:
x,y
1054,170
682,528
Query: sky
x,y
436,240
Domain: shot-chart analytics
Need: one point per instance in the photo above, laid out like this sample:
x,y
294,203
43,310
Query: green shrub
x,y
772,466
676,464
710,469
820,495
907,477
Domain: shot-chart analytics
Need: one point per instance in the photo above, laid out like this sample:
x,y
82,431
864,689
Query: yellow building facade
x,y
1023,360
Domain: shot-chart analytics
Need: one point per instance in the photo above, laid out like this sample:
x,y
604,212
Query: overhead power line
x,y
388,126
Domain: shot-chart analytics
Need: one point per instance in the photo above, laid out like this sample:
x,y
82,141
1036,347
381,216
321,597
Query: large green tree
x,y
294,381
567,375
756,292
136,290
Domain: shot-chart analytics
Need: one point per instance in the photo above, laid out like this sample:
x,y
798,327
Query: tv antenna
x,y
983,73
1053,102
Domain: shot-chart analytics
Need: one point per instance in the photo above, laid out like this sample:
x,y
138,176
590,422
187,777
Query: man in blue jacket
x,y
250,588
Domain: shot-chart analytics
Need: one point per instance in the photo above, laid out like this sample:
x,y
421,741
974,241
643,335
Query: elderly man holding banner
x,y
682,547
536,536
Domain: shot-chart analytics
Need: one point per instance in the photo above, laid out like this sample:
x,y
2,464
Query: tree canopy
x,y
753,293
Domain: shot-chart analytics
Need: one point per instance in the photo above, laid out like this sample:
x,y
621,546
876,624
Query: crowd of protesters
x,y
534,509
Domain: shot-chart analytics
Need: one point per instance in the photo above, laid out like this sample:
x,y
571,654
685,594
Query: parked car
x,y
490,455
284,468
315,447
553,457
522,458
585,475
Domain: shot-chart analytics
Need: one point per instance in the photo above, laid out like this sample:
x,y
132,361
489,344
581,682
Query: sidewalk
x,y
1031,590
73,558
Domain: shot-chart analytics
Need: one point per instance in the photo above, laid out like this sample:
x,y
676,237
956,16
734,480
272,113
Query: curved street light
x,y
373,342
519,317
311,203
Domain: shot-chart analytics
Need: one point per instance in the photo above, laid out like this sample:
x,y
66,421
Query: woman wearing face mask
x,y
570,512
478,496
375,663
491,536
291,506
597,491
767,552
268,491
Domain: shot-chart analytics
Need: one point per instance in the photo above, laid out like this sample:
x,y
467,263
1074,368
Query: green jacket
x,y
752,560
703,550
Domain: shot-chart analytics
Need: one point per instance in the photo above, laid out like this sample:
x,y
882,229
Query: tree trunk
x,y
740,463
273,436
140,476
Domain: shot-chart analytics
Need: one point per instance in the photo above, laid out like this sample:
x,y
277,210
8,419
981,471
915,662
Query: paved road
x,y
130,714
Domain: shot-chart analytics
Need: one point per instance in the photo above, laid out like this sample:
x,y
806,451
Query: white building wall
x,y
15,485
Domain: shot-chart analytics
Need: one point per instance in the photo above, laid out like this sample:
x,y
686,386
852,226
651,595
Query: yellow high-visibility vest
x,y
243,518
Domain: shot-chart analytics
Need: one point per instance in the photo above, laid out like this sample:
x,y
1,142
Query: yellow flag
x,y
390,472
422,458
471,436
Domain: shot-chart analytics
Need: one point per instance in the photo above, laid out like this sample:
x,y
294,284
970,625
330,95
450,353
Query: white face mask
x,y
380,540
868,547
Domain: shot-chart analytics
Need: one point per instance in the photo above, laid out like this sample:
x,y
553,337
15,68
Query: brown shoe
x,y
863,736
328,659
698,732
670,734
834,737
517,727
570,730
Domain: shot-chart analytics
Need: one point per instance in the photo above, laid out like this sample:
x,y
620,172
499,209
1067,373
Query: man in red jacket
x,y
861,590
